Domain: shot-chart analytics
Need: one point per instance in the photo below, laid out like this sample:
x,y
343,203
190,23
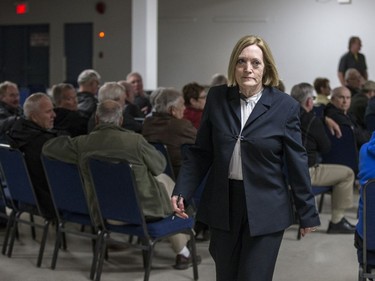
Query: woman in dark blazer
x,y
250,138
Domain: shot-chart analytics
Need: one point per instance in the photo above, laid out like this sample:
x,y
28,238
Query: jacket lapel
x,y
261,107
234,102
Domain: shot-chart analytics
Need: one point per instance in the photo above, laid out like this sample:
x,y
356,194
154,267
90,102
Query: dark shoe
x,y
183,262
342,227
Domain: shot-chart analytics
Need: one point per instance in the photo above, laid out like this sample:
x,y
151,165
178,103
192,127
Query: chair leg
x,y
321,202
8,230
299,233
194,255
33,235
149,255
96,255
101,253
57,246
13,235
43,243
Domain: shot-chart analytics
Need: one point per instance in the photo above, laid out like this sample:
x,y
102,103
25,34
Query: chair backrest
x,y
370,122
368,196
116,191
17,177
66,186
343,150
163,149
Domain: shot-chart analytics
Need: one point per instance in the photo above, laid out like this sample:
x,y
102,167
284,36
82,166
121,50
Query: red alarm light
x,y
21,8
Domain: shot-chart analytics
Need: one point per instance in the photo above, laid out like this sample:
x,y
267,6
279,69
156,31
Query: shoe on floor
x,y
342,227
183,262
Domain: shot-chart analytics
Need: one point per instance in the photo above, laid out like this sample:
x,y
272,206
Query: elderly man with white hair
x,y
29,134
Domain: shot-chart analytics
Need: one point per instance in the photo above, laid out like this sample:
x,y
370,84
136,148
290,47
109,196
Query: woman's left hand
x,y
307,230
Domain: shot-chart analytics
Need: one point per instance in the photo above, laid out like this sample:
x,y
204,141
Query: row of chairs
x,y
117,197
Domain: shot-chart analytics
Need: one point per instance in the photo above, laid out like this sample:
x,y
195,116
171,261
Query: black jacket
x,y
314,137
29,138
362,136
87,103
70,121
8,115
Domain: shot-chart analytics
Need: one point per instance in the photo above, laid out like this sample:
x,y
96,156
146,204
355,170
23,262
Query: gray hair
x,y
131,74
87,76
57,92
352,73
167,98
155,94
111,91
109,112
301,92
31,104
127,86
4,87
218,79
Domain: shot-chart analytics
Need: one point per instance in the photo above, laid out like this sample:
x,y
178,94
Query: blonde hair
x,y
270,75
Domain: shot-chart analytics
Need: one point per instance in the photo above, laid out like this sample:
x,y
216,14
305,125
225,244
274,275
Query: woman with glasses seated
x,y
195,100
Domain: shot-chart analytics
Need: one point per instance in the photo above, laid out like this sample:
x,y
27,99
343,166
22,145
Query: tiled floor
x,y
318,256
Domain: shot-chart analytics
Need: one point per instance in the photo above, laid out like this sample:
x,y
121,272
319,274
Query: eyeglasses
x,y
202,97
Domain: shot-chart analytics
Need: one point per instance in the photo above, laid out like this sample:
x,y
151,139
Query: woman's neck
x,y
249,92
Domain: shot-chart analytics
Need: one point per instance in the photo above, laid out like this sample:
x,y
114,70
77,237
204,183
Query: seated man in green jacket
x,y
110,140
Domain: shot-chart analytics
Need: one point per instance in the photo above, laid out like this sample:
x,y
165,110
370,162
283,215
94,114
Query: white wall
x,y
307,37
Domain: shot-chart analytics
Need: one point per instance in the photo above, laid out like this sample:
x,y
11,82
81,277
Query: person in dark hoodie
x,y
66,109
28,134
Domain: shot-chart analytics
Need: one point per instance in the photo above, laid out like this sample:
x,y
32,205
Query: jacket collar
x,y
260,108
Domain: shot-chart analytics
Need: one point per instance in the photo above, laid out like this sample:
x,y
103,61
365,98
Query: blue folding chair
x,y
366,255
343,150
117,196
163,149
23,199
70,203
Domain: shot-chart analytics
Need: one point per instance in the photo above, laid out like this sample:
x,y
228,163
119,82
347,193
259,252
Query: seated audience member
x,y
195,100
28,134
366,172
110,140
360,101
141,99
338,108
323,90
67,117
131,108
10,108
218,79
370,115
167,126
281,86
316,142
353,81
154,94
116,92
88,82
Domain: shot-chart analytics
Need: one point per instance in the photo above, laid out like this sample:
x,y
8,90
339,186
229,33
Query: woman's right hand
x,y
178,207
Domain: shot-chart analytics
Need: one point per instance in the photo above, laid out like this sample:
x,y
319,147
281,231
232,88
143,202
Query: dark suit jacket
x,y
272,155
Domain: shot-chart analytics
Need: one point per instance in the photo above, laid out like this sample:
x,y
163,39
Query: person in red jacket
x,y
195,100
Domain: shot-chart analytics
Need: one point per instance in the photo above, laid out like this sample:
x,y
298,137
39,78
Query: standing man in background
x,y
353,59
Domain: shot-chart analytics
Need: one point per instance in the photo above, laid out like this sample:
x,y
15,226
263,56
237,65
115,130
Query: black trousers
x,y
237,255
